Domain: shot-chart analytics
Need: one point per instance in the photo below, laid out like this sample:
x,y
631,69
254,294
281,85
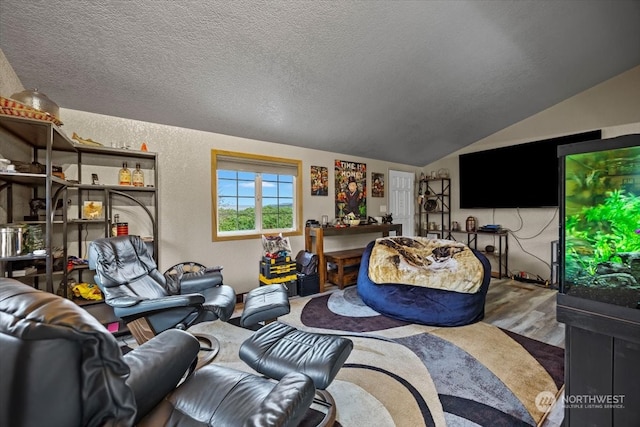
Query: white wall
x,y
613,106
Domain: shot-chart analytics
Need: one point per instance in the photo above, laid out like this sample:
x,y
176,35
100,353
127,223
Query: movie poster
x,y
351,189
319,181
377,184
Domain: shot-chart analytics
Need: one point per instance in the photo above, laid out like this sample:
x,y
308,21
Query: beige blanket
x,y
432,263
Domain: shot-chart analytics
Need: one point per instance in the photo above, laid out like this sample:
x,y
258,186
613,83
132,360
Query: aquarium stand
x,y
602,354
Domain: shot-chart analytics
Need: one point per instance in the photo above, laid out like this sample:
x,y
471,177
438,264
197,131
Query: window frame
x,y
247,158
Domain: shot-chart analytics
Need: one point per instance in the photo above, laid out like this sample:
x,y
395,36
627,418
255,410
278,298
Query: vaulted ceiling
x,y
403,81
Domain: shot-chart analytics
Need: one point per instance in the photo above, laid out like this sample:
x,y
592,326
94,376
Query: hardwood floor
x,y
524,308
528,310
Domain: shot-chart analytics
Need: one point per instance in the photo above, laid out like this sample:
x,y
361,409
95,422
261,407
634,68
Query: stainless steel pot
x,y
10,241
38,100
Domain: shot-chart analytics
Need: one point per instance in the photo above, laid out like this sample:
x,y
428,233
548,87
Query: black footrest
x,y
265,303
278,349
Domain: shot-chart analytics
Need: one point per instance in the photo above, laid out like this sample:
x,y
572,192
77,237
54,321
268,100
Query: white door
x,y
401,199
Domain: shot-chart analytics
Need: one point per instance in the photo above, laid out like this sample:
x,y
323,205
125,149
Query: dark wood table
x,y
319,234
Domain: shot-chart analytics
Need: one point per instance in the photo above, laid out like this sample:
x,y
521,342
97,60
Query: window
x,y
254,195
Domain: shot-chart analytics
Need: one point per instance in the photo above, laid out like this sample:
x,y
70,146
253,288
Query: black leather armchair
x,y
145,299
60,367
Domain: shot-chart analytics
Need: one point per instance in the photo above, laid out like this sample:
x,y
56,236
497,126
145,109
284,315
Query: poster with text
x,y
319,181
377,184
351,189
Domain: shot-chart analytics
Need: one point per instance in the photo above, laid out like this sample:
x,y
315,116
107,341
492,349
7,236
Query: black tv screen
x,y
517,176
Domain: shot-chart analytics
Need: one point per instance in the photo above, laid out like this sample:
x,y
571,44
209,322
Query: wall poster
x,y
351,189
377,184
319,181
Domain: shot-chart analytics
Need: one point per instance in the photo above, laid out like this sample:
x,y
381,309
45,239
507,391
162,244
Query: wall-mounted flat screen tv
x,y
600,220
517,176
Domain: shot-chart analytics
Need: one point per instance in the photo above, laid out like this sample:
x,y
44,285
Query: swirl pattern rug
x,y
402,374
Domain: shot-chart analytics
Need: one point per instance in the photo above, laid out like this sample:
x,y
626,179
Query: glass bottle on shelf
x,y
124,176
138,176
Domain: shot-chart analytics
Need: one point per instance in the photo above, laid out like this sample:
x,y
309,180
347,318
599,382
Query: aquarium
x,y
600,220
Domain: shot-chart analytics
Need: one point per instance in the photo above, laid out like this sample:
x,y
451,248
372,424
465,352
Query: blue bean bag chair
x,y
418,304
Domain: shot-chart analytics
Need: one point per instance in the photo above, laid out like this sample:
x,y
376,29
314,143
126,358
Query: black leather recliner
x,y
60,367
145,299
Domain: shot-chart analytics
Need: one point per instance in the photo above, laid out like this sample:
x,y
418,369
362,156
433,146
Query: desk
x,y
502,250
319,234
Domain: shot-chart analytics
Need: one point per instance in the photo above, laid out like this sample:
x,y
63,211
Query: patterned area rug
x,y
402,374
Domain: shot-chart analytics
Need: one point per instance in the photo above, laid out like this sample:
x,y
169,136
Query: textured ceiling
x,y
403,81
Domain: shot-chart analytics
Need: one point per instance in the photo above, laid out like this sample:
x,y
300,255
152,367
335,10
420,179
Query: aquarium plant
x,y
600,233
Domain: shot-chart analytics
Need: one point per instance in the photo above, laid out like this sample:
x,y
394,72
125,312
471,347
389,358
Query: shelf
x,y
116,152
54,273
30,178
37,133
85,302
87,221
111,187
42,221
497,233
29,257
38,275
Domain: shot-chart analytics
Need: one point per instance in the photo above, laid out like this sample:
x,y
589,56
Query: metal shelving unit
x,y
111,195
435,206
44,141
38,136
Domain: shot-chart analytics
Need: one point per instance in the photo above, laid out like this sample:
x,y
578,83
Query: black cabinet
x,y
602,363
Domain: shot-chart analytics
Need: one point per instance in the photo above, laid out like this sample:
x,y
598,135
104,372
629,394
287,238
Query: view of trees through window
x,y
250,201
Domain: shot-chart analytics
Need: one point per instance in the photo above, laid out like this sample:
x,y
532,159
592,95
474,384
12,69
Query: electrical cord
x,y
521,221
517,239
555,213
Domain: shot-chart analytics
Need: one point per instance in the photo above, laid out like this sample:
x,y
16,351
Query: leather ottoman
x,y
264,304
278,349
